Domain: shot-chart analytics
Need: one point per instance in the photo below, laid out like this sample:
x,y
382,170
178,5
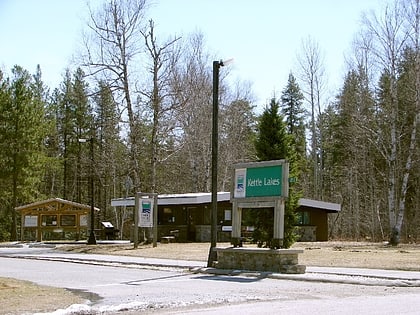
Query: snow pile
x,y
84,309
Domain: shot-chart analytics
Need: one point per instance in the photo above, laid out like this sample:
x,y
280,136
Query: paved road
x,y
135,284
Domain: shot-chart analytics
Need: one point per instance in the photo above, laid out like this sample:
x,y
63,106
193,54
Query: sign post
x,y
260,185
145,215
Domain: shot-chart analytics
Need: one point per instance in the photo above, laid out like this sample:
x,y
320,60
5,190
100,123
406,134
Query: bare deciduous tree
x,y
193,86
109,52
388,40
237,127
163,60
312,74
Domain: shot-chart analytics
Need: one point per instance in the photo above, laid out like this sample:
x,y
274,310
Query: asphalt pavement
x,y
374,277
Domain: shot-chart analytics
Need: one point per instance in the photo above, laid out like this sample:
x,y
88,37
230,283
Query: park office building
x,y
190,215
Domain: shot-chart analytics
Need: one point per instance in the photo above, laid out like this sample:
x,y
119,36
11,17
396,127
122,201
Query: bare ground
x,y
331,254
23,297
360,255
326,254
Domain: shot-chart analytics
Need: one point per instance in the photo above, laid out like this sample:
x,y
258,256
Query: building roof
x,y
200,198
176,199
42,203
320,205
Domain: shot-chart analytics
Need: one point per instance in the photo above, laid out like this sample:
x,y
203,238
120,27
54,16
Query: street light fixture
x,y
214,155
92,237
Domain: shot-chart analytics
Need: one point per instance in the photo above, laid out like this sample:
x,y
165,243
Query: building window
x,y
68,220
49,220
304,218
168,216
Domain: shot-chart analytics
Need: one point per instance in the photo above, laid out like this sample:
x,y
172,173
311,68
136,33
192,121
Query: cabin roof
x,y
42,203
319,205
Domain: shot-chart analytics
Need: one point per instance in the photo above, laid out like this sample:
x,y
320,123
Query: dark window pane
x,y
68,220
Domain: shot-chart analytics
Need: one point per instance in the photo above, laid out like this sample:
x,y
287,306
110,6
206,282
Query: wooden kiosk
x,y
54,219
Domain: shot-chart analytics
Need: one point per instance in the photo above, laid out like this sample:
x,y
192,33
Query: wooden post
x,y
136,220
155,219
39,229
236,224
278,233
22,220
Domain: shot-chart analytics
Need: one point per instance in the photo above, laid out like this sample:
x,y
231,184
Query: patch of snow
x,y
84,309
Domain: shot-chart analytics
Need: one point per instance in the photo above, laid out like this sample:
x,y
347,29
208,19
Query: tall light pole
x,y
92,237
214,156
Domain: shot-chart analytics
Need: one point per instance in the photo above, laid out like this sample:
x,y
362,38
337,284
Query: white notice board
x,y
146,212
31,220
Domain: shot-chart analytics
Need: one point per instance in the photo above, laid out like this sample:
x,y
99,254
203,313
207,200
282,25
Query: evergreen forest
x,y
134,114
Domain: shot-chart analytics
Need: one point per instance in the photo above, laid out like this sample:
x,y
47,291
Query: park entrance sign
x,y
260,185
262,179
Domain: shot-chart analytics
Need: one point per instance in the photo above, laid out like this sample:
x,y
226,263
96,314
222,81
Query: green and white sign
x,y
262,179
146,212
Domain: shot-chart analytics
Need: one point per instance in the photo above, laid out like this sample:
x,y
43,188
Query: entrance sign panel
x,y
260,185
262,179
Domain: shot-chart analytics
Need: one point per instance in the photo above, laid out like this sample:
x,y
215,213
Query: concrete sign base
x,y
260,259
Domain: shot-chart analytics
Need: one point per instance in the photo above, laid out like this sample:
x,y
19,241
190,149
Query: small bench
x,y
167,239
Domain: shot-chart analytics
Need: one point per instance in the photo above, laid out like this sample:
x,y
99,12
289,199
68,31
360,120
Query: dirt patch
x,y
322,254
20,297
360,255
182,251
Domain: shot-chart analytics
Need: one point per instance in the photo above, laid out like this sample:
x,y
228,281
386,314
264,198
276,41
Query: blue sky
x,y
263,36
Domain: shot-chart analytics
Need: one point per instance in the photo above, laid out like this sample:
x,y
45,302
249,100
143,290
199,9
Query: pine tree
x,y
22,134
353,159
274,143
292,109
74,119
42,97
294,113
5,214
53,177
272,140
111,151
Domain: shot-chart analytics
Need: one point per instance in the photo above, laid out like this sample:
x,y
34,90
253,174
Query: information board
x,y
146,212
31,221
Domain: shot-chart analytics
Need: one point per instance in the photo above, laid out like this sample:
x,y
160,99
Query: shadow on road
x,y
239,279
92,297
138,282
